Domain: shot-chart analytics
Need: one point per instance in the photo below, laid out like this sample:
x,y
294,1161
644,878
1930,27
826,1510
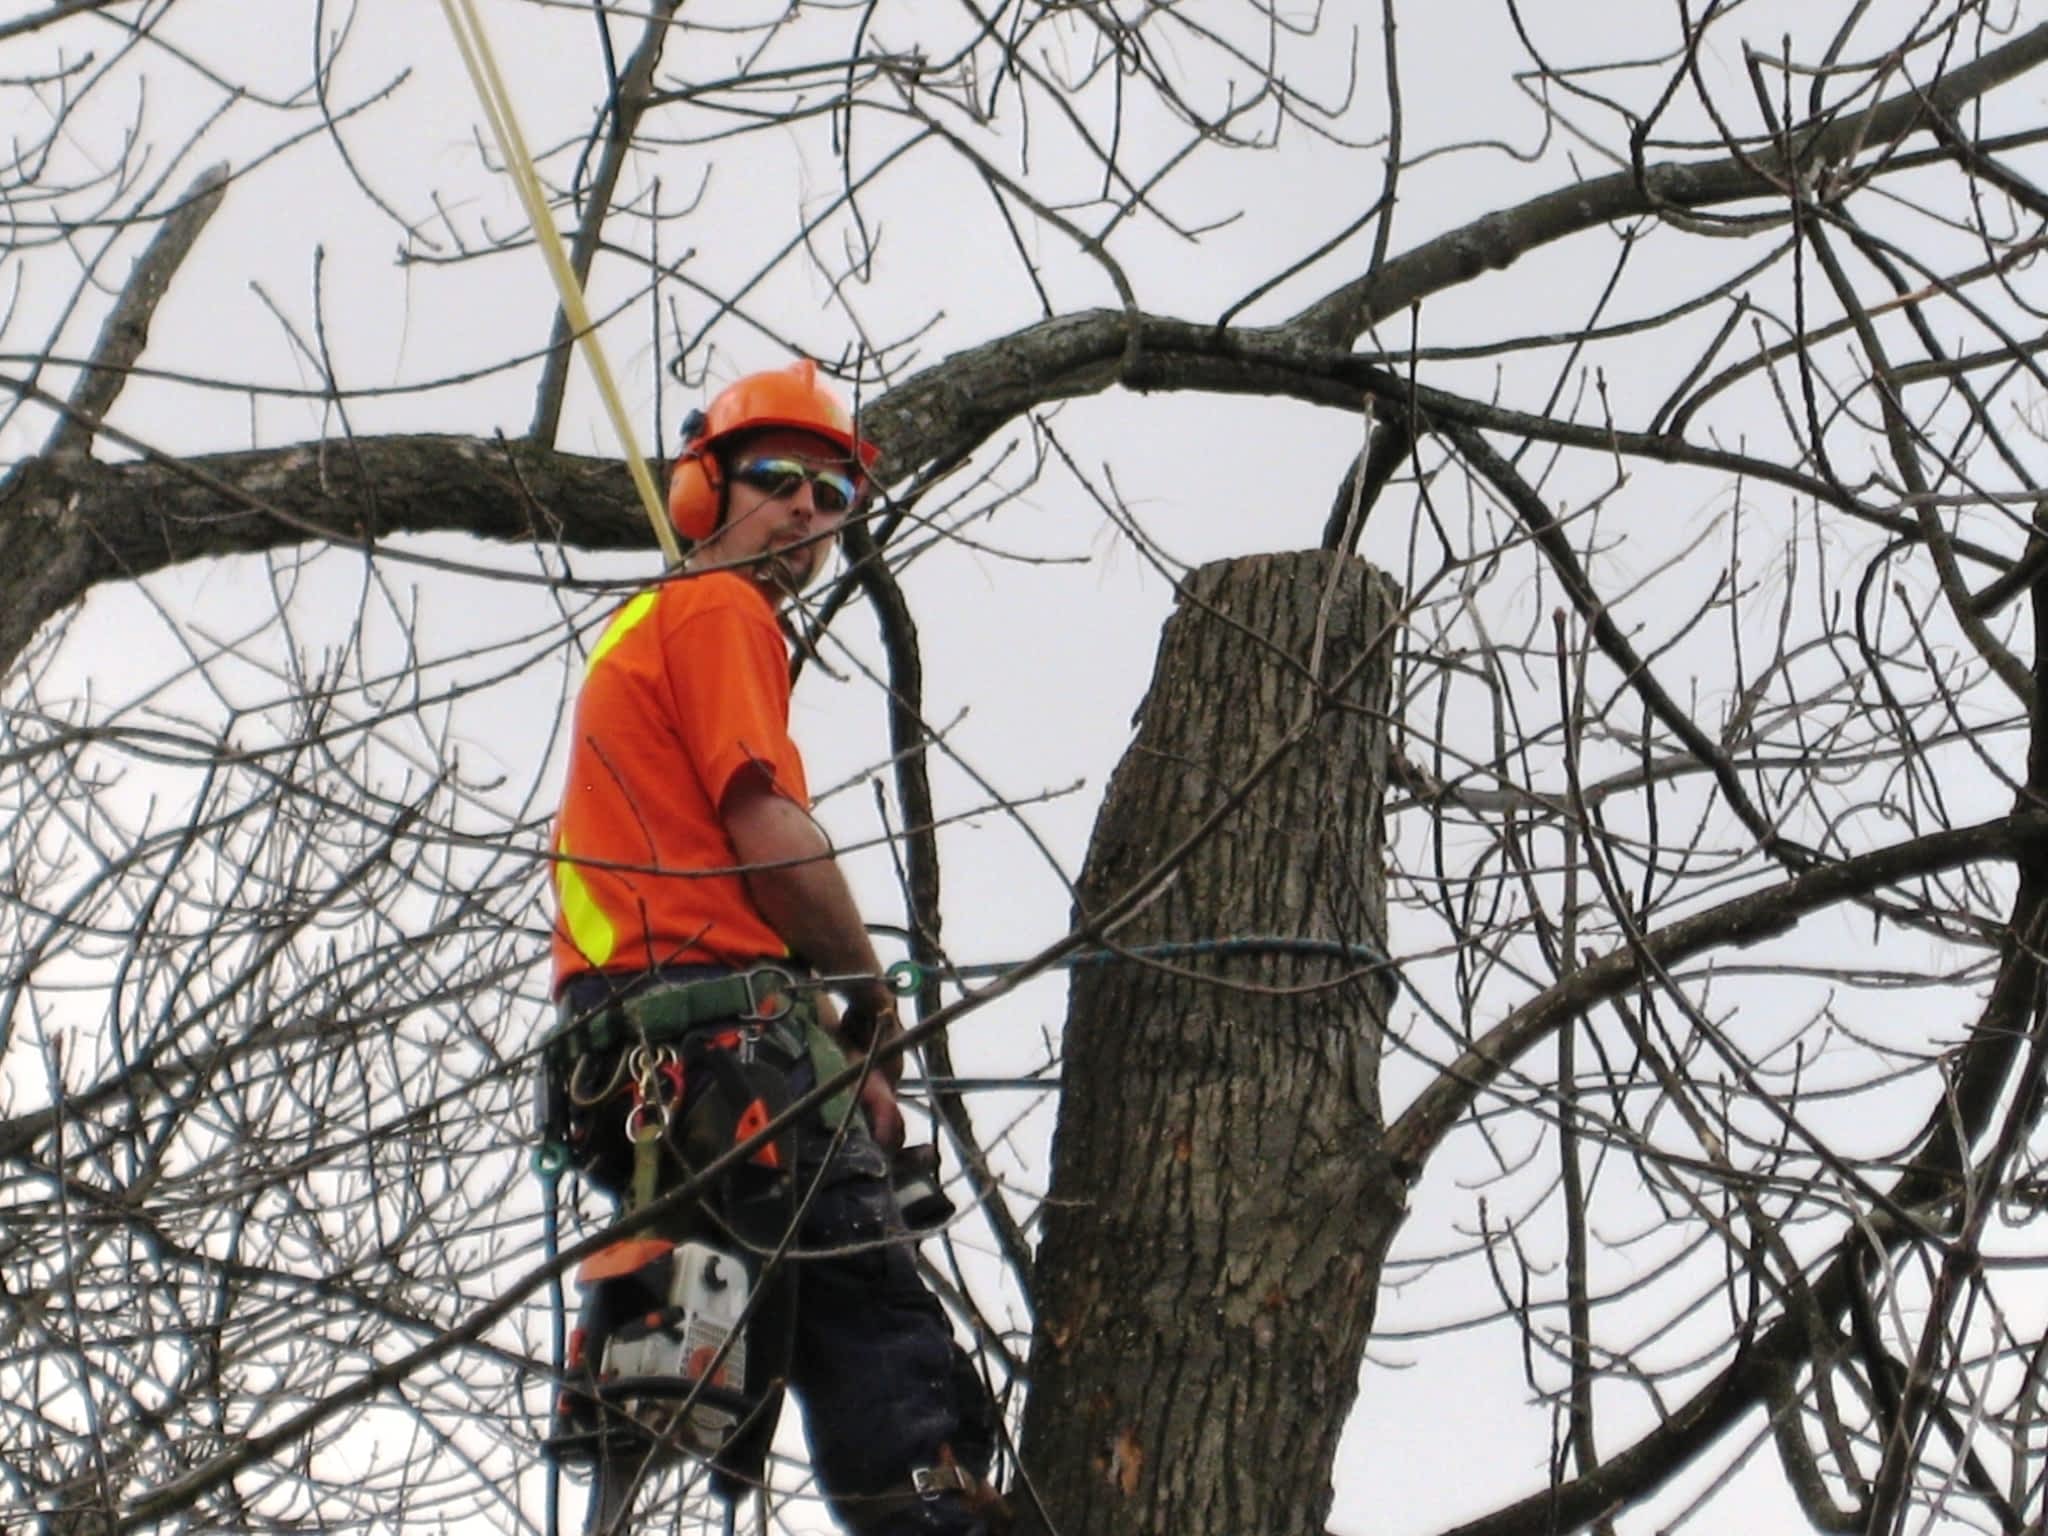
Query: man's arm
x,y
796,882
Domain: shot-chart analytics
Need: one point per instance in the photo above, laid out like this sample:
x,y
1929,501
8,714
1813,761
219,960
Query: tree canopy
x,y
1681,886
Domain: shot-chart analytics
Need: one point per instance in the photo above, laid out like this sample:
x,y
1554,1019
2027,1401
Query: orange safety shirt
x,y
688,685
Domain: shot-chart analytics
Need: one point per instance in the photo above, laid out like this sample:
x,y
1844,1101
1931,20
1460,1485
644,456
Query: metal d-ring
x,y
769,984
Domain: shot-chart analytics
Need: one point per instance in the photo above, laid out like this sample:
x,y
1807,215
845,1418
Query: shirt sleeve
x,y
728,672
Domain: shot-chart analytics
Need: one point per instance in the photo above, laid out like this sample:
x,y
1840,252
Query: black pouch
x,y
550,1108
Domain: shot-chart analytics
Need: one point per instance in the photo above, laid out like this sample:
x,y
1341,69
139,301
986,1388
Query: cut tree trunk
x,y
1220,1206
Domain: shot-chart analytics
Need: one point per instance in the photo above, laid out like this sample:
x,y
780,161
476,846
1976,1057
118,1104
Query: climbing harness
x,y
763,994
683,1337
685,1331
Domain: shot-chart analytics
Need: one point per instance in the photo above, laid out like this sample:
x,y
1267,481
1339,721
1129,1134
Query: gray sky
x,y
1039,624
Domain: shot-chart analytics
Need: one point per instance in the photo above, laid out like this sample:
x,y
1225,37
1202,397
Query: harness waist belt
x,y
765,995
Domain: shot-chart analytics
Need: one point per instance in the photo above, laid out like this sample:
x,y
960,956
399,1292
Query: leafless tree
x,y
1593,959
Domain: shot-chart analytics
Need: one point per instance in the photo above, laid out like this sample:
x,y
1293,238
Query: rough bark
x,y
1219,1207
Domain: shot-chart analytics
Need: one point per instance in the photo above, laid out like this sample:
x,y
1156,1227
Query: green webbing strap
x,y
646,1138
827,1062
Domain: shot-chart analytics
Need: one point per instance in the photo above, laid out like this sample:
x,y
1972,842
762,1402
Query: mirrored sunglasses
x,y
832,491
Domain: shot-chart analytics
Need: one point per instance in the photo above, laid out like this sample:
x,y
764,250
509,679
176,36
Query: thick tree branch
x,y
89,522
1500,239
66,525
1744,920
61,11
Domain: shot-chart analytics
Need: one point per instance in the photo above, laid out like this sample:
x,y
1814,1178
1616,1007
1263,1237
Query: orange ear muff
x,y
693,495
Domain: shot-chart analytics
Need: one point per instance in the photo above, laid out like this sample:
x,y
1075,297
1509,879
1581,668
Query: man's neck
x,y
762,575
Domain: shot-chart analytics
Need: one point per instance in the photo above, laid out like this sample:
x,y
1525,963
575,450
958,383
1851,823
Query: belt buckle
x,y
769,985
924,1482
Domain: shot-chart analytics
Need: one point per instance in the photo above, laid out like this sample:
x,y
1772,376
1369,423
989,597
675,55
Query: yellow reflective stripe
x,y
621,626
589,929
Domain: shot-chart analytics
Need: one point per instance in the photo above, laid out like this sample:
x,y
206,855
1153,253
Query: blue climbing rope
x,y
1182,949
549,1159
907,976
1196,949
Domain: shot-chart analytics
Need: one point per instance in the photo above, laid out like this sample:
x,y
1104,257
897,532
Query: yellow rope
x,y
496,101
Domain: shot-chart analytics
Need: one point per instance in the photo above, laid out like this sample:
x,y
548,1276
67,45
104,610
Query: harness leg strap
x,y
926,1485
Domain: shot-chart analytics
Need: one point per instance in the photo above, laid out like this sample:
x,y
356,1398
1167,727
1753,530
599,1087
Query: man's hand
x,y
852,1028
870,1022
885,1119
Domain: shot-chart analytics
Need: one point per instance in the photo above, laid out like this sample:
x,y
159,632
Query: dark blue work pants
x,y
874,1367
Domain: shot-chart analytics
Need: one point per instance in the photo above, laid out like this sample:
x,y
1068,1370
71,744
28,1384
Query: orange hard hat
x,y
783,397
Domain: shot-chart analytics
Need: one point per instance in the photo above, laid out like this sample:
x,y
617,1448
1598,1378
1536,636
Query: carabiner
x,y
902,978
645,1066
582,1100
643,1114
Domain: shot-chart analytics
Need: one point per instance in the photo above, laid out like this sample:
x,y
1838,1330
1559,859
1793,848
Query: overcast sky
x,y
1039,625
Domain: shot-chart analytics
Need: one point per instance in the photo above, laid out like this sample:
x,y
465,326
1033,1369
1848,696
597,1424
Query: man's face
x,y
778,519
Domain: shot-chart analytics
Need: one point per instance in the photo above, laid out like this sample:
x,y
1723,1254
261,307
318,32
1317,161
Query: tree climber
x,y
693,888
